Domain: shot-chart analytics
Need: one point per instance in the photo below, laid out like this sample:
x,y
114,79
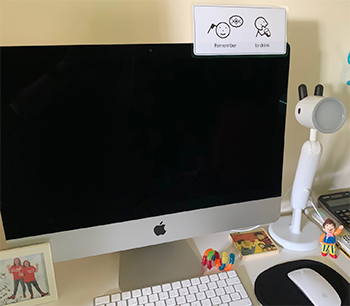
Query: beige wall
x,y
318,32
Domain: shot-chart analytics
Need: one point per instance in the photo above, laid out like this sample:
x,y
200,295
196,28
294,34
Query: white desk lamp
x,y
317,113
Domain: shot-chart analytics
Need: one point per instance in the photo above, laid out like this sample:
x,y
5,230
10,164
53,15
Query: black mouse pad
x,y
273,286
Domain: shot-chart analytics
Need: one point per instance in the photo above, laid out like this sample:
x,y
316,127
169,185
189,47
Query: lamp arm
x,y
307,166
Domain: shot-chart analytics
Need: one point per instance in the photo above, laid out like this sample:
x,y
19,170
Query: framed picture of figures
x,y
27,276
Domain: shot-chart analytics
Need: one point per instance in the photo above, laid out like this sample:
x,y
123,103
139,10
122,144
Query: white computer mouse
x,y
315,287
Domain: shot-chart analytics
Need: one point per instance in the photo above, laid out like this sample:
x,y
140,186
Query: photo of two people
x,y
23,278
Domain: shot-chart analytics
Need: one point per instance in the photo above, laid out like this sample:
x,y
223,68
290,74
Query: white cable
x,y
316,210
245,230
286,193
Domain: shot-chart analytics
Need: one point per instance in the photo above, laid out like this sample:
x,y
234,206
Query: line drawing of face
x,y
261,25
223,30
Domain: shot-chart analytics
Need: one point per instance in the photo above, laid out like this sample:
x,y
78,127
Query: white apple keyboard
x,y
222,289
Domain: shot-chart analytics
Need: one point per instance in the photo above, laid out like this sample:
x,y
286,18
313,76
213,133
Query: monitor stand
x,y
158,264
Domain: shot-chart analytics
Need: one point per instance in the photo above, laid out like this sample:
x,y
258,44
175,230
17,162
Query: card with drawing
x,y
254,243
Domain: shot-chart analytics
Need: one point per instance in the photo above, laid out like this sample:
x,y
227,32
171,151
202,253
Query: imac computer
x,y
109,148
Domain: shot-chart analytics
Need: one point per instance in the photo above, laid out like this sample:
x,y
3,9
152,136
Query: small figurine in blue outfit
x,y
328,239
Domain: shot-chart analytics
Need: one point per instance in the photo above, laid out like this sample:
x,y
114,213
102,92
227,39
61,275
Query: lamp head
x,y
325,114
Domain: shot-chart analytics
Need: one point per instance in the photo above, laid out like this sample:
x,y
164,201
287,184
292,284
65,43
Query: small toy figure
x,y
328,239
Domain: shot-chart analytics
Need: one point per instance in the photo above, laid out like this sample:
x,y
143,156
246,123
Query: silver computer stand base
x,y
159,264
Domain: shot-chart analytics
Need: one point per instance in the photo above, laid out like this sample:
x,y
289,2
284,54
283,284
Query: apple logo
x,y
159,229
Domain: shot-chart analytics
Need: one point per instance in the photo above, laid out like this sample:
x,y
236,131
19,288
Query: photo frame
x,y
27,276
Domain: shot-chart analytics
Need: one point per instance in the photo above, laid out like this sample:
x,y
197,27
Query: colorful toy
x,y
328,239
212,258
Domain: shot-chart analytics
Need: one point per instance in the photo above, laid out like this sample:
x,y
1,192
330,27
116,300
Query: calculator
x,y
338,205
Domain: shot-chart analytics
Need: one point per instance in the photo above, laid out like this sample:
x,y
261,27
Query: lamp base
x,y
307,240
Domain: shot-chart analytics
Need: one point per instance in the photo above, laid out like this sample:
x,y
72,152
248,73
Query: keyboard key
x,y
166,287
102,300
196,303
160,303
176,285
147,291
220,291
193,289
122,303
221,283
143,299
204,279
203,287
235,296
232,273
206,302
223,275
214,277
136,293
229,289
156,289
132,302
173,293
116,297
163,295
233,281
216,300
170,302
241,290
212,285
243,302
190,298
201,296
183,291
186,283
225,298
126,295
195,281
153,297
180,300
210,293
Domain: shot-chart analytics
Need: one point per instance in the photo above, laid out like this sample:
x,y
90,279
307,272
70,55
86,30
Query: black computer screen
x,y
93,135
